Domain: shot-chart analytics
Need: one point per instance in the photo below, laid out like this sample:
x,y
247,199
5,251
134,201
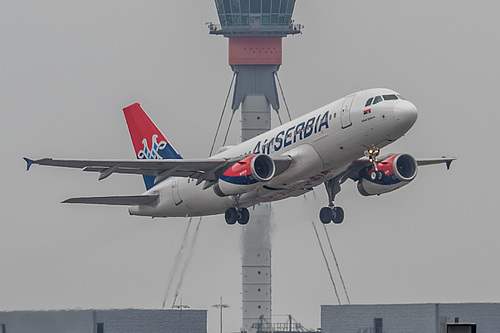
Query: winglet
x,y
448,162
29,163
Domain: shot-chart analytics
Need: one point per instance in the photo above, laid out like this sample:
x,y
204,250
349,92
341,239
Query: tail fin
x,y
148,141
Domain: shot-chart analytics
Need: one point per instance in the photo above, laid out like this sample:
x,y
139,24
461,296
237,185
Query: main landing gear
x,y
233,215
332,213
237,214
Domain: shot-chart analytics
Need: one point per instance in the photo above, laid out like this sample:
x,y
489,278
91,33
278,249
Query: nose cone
x,y
406,114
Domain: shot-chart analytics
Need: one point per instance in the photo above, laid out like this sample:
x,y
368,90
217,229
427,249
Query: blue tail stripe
x,y
166,153
149,181
169,153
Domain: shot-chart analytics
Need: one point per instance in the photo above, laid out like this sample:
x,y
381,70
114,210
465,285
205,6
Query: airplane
x,y
337,142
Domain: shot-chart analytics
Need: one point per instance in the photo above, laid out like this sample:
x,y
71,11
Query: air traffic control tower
x,y
255,29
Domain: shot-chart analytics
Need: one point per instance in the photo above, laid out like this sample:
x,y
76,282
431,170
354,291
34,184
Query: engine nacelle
x,y
394,172
245,175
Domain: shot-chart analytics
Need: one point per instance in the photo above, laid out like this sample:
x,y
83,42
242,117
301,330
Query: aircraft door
x,y
345,113
175,191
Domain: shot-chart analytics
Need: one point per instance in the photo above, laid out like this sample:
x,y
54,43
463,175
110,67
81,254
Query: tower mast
x,y
255,29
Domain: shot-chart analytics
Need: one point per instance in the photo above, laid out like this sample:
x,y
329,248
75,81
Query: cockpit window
x,y
390,97
377,99
369,102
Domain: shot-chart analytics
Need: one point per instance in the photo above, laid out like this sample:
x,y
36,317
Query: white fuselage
x,y
322,144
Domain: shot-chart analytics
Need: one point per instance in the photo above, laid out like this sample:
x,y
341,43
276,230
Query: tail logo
x,y
152,154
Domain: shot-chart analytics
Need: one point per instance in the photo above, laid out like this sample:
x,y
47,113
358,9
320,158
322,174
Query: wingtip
x,y
29,162
449,161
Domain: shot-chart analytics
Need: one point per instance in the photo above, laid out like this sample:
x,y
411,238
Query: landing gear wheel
x,y
332,213
326,215
231,216
338,215
377,175
244,216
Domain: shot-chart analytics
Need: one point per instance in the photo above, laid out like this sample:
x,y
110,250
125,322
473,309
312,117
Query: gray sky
x,y
69,67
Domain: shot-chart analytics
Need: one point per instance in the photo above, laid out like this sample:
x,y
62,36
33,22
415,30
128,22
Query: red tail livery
x,y
148,141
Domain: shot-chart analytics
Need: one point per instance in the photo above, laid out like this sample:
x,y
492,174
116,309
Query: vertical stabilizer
x,y
148,141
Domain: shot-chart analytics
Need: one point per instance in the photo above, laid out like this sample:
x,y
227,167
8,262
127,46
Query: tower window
x,y
275,6
255,6
266,6
220,6
284,3
235,6
244,6
227,7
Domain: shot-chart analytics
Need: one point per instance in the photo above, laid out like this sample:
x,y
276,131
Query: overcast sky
x,y
67,68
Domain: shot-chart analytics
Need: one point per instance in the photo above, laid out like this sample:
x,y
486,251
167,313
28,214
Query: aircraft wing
x,y
202,169
430,161
194,168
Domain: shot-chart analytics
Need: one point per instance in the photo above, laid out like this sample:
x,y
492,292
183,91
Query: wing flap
x,y
120,200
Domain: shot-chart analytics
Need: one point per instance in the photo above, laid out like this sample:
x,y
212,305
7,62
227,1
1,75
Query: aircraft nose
x,y
406,113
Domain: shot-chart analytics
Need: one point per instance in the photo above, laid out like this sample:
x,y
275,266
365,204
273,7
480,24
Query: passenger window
x,y
377,99
390,97
369,102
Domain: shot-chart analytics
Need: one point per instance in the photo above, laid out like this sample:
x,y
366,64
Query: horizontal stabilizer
x,y
125,200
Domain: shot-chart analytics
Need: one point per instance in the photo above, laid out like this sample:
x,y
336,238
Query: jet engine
x,y
393,173
245,175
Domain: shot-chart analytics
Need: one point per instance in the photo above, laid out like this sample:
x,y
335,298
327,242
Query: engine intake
x,y
245,175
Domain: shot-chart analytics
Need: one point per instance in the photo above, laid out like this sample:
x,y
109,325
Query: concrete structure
x,y
411,318
255,29
104,321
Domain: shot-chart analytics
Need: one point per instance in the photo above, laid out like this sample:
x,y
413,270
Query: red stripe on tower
x,y
255,51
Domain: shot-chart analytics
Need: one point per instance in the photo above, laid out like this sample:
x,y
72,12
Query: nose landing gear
x,y
372,157
332,213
